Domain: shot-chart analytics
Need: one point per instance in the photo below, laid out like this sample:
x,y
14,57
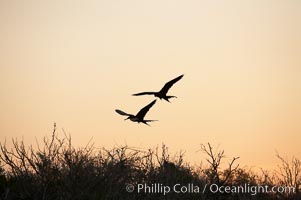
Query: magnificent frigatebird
x,y
162,94
139,117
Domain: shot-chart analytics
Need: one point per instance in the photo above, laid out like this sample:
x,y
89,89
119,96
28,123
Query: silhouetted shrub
x,y
57,170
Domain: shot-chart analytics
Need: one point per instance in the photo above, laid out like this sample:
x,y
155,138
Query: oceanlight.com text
x,y
251,189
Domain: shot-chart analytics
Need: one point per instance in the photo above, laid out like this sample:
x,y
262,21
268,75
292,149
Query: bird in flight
x,y
162,94
139,117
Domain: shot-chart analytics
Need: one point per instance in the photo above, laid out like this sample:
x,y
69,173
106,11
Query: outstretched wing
x,y
144,93
120,112
169,84
144,110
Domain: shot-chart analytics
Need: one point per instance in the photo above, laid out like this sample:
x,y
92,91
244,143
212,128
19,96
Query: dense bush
x,y
57,170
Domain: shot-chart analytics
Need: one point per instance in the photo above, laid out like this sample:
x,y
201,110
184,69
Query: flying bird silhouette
x,y
162,94
139,117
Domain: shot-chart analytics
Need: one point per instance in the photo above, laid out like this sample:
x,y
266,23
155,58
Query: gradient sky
x,y
73,62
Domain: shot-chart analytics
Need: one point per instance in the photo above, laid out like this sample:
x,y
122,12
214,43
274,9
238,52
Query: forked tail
x,y
145,121
169,97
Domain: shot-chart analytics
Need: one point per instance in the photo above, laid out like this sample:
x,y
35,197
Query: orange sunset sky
x,y
73,62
